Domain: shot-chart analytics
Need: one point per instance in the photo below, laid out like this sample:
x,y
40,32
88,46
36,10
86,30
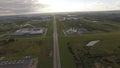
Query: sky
x,y
13,7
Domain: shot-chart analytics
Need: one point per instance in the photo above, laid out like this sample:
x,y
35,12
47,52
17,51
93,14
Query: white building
x,y
71,31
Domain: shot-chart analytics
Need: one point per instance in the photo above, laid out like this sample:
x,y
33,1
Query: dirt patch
x,y
98,65
48,52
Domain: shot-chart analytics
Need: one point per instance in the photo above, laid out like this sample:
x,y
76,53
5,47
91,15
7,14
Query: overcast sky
x,y
12,7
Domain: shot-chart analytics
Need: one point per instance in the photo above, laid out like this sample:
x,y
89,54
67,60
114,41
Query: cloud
x,y
20,6
105,5
101,5
33,6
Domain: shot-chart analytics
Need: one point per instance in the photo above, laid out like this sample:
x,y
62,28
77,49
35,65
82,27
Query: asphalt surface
x,y
56,56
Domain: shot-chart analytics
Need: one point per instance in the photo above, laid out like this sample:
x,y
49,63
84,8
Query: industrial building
x,y
29,31
24,63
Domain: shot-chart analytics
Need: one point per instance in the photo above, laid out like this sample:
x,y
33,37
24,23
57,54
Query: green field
x,y
74,52
107,49
37,46
97,24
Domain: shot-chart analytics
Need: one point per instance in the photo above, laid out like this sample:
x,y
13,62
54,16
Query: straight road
x,y
56,56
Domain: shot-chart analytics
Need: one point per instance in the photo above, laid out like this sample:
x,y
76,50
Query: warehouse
x,y
29,31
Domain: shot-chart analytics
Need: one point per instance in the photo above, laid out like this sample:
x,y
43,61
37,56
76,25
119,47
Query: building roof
x,y
24,63
71,30
29,31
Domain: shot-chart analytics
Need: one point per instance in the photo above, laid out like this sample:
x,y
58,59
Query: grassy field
x,y
66,57
92,25
107,49
103,54
37,46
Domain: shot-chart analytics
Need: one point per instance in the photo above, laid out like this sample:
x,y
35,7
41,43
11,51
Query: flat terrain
x,y
64,43
37,46
106,51
73,49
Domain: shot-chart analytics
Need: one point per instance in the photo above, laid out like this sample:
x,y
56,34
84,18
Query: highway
x,y
56,53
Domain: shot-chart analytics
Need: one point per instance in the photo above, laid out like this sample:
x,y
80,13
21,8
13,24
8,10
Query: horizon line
x,y
58,12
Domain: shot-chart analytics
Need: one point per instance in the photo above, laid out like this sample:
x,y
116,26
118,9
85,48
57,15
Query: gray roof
x,y
24,63
29,31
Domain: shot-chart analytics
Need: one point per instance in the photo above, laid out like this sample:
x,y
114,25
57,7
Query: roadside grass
x,y
65,56
44,60
60,28
50,29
